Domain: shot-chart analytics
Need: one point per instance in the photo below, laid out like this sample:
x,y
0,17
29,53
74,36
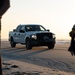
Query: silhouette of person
x,y
72,45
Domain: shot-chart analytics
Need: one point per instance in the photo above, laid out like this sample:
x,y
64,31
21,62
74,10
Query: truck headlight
x,y
54,36
34,36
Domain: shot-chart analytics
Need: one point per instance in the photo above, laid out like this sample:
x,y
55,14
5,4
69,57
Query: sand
x,y
13,67
16,67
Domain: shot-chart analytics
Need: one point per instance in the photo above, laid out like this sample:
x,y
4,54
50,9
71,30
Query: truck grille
x,y
40,36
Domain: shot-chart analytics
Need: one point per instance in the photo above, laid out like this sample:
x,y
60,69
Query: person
x,y
72,45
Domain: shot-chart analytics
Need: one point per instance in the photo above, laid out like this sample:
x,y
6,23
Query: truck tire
x,y
12,43
51,46
28,44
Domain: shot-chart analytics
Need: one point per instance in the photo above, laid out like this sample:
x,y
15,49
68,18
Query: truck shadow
x,y
34,50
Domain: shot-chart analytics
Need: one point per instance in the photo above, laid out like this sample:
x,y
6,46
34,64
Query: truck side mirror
x,y
48,30
14,30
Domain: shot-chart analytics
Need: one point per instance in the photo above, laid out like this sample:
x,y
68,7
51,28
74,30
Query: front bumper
x,y
42,42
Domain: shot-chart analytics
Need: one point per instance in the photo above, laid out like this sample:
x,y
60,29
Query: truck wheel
x,y
12,43
51,46
28,44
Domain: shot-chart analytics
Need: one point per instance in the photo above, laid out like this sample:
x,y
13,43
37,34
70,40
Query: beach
x,y
37,61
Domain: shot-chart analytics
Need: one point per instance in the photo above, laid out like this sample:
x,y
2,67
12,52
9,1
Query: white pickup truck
x,y
32,35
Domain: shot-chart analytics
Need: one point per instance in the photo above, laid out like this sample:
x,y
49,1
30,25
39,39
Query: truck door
x,y
16,34
22,34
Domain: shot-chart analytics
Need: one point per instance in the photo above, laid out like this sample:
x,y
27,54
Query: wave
x,y
62,41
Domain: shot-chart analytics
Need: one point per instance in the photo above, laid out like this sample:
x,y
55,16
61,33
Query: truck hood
x,y
35,32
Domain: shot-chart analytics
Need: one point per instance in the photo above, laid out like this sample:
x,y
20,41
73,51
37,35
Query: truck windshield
x,y
34,28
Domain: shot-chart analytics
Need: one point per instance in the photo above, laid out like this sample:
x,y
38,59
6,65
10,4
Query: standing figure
x,y
72,45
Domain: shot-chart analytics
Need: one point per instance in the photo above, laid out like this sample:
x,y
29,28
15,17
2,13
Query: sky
x,y
56,15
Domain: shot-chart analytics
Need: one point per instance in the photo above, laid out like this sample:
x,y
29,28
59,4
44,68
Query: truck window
x,y
22,29
18,28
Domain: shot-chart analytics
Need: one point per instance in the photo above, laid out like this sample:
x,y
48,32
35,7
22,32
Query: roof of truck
x,y
29,24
